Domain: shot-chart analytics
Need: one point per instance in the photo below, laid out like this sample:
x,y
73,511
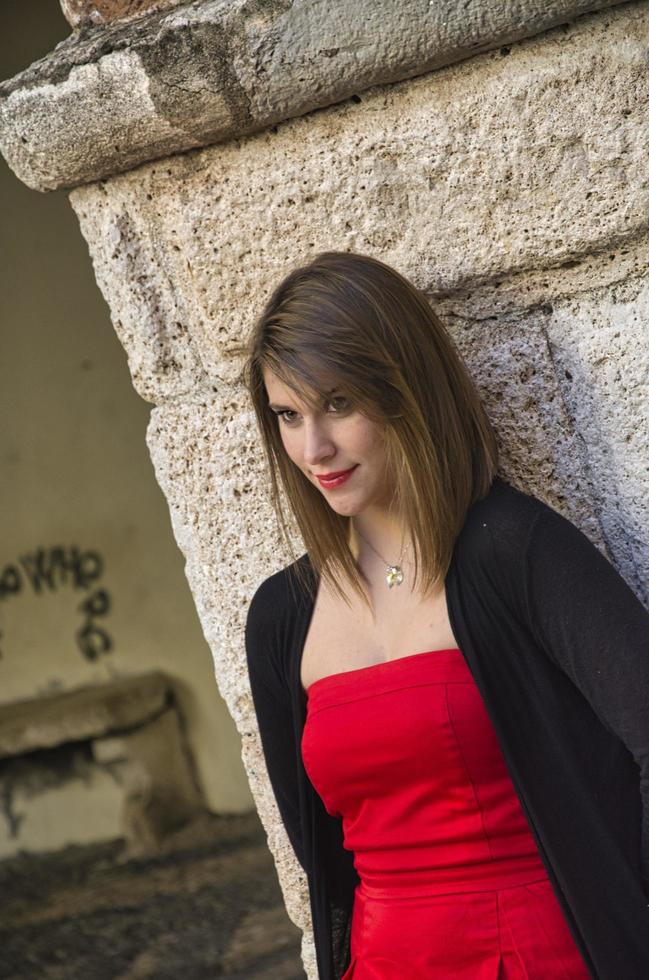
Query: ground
x,y
207,906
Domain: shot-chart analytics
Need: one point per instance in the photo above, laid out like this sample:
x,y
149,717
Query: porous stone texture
x,y
214,69
502,164
148,283
511,188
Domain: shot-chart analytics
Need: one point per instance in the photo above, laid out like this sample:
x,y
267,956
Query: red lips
x,y
333,480
332,476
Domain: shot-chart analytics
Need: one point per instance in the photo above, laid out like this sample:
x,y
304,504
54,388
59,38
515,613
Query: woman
x,y
452,683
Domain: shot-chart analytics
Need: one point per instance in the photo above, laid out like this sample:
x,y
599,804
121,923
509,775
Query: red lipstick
x,y
335,479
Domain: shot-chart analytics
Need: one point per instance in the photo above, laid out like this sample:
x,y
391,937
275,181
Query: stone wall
x,y
510,186
140,89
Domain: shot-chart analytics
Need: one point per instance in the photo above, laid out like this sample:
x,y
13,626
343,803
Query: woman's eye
x,y
340,398
339,403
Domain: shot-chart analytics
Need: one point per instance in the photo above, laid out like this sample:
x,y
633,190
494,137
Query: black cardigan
x,y
558,646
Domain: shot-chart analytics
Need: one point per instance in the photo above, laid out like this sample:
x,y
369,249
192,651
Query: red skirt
x,y
451,881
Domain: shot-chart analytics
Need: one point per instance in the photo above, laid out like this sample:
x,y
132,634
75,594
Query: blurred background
x,y
129,846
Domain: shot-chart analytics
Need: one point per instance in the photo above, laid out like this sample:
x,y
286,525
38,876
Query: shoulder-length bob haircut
x,y
351,321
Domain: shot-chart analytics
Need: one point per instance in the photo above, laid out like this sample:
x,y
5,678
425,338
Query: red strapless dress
x,y
451,881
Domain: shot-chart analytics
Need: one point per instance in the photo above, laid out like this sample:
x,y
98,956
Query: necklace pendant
x,y
394,576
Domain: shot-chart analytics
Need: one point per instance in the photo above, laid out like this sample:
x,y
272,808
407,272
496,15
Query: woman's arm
x,y
593,626
271,699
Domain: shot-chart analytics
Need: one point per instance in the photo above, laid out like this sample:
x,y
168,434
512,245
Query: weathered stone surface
x,y
216,69
590,312
85,713
82,13
148,286
500,167
600,349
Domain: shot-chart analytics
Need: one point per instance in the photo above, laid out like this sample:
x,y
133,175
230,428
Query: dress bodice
x,y
405,753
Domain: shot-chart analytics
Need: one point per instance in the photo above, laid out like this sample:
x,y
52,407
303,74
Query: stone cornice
x,y
110,98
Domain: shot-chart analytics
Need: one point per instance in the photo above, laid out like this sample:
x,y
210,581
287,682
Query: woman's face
x,y
332,438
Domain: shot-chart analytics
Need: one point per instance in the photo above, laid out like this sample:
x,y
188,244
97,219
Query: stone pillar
x,y
496,159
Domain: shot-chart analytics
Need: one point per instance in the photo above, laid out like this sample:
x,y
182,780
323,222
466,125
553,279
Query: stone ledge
x,y
216,69
84,713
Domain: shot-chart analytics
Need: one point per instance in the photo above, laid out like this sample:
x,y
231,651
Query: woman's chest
x,y
341,637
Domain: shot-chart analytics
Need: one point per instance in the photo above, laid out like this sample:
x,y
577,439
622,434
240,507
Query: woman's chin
x,y
349,506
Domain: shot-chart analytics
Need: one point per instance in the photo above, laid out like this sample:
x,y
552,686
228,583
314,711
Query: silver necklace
x,y
394,573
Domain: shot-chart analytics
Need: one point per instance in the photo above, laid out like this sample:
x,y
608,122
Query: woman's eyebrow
x,y
286,408
279,408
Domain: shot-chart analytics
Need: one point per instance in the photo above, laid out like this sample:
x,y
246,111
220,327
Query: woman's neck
x,y
379,534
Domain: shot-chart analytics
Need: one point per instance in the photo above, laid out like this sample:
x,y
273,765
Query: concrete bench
x,y
122,740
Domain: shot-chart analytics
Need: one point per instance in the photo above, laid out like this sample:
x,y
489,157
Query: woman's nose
x,y
317,444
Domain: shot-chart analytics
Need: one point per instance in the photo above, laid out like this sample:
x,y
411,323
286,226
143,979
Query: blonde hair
x,y
350,320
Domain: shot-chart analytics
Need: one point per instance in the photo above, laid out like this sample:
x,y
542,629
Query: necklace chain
x,y
394,573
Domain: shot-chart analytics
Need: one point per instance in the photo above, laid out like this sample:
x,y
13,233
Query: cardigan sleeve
x,y
596,630
272,704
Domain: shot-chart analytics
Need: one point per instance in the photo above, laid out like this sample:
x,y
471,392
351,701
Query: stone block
x,y
160,793
208,71
82,713
487,171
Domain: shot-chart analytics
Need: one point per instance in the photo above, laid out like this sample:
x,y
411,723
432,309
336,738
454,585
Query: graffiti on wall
x,y
52,569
